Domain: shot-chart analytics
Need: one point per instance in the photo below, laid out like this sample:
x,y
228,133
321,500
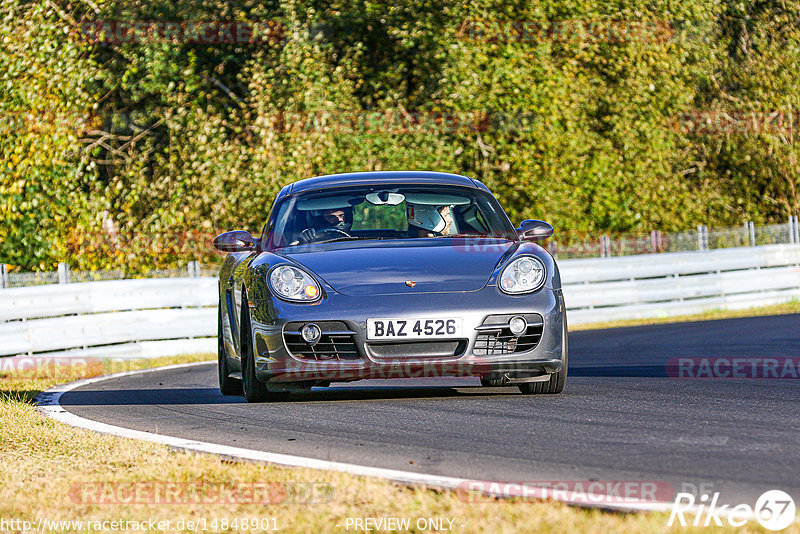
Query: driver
x,y
334,220
428,221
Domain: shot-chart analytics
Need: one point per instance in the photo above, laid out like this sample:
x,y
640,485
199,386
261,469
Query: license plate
x,y
414,328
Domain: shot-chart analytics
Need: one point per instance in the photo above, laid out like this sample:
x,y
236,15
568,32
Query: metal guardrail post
x,y
63,273
750,232
194,269
605,246
655,241
796,229
702,237
3,275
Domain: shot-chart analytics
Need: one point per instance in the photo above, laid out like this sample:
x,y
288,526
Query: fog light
x,y
311,333
518,325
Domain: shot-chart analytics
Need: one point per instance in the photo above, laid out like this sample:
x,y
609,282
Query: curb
x,y
49,405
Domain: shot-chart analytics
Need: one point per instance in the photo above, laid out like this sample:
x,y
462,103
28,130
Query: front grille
x,y
417,350
336,343
495,338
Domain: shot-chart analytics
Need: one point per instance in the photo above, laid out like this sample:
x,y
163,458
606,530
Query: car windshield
x,y
388,212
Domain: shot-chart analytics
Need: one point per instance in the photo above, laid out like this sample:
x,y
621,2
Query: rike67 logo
x,y
774,510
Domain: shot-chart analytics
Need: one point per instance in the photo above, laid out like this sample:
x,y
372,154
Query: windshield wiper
x,y
343,238
468,235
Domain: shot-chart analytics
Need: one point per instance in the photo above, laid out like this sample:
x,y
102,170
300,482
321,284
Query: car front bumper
x,y
277,365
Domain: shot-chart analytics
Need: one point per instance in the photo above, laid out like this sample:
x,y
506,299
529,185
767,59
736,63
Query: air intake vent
x,y
495,337
336,343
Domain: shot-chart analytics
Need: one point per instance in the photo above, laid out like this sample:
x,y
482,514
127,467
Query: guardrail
x,y
158,317
681,283
121,318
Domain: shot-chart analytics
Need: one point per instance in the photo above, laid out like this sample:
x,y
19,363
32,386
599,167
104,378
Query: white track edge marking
x,y
49,405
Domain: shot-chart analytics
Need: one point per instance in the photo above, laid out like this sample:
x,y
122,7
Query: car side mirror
x,y
235,241
533,230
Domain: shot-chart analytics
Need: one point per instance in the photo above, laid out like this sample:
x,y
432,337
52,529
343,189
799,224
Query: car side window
x,y
279,229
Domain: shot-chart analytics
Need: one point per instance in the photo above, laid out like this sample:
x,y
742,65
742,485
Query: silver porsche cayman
x,y
388,275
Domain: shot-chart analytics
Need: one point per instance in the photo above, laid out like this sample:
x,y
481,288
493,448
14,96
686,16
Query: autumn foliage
x,y
125,123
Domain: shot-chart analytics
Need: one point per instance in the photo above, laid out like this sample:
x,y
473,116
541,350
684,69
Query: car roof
x,y
387,177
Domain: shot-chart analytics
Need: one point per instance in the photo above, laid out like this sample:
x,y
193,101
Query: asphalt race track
x,y
621,417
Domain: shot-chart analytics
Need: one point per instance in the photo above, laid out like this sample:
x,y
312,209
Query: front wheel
x,y
254,389
228,386
557,380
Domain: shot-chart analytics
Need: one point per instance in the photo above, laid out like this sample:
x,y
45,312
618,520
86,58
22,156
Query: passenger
x,y
425,220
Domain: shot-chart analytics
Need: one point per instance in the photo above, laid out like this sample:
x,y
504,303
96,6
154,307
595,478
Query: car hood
x,y
384,267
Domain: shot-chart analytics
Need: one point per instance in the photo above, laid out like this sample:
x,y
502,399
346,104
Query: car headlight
x,y
293,283
523,275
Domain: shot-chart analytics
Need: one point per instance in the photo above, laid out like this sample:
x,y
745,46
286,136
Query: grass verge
x,y
777,309
56,473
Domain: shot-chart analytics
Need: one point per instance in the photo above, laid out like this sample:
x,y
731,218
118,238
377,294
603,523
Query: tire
x,y
557,380
493,382
228,386
254,389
